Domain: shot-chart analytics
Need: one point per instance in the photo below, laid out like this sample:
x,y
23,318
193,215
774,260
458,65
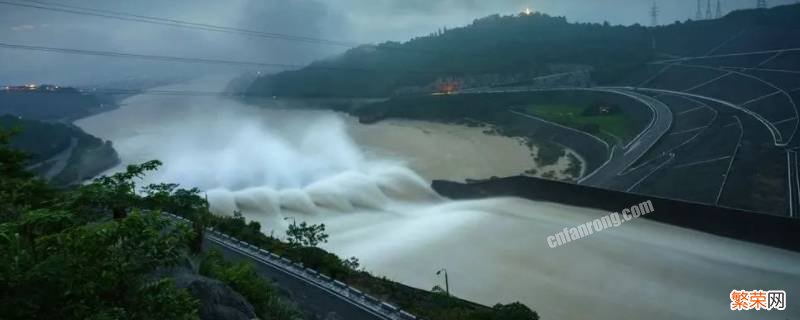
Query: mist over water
x,y
236,149
322,167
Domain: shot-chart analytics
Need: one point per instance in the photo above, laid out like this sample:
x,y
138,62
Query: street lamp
x,y
446,281
294,222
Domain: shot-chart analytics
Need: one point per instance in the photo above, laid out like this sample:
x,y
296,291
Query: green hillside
x,y
62,153
523,45
498,50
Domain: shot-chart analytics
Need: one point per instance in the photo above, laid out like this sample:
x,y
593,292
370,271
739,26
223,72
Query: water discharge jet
x,y
321,167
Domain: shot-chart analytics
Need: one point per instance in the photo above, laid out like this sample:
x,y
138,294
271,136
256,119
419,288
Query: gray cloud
x,y
345,20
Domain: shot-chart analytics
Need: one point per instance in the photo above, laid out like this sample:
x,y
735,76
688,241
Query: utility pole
x,y
654,14
708,11
699,15
761,4
446,281
719,10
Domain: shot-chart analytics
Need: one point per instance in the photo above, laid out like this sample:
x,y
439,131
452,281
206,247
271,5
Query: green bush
x,y
58,260
243,278
52,263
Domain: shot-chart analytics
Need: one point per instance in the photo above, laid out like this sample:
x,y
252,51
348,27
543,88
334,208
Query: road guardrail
x,y
336,287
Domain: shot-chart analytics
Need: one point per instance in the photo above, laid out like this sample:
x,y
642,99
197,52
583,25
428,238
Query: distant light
x,y
528,11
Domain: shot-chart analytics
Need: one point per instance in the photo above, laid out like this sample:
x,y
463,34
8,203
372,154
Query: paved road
x,y
621,157
326,298
765,82
624,157
777,138
319,300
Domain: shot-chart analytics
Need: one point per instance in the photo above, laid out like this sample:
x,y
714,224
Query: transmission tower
x,y
699,15
708,11
654,14
761,4
719,10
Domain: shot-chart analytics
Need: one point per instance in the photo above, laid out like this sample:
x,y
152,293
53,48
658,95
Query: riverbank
x,y
280,164
496,139
456,152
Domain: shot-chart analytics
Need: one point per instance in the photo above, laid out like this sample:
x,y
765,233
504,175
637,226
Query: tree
x,y
19,189
306,235
51,263
55,263
437,289
352,264
120,188
115,194
514,311
243,278
167,197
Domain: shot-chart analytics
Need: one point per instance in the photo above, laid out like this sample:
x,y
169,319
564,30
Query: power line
x,y
171,22
115,54
129,17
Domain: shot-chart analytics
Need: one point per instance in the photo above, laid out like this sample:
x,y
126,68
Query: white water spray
x,y
273,163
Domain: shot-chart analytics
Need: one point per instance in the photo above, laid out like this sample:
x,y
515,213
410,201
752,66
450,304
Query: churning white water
x,y
322,167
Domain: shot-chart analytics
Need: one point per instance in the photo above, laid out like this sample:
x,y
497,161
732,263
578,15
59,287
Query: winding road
x,y
315,292
627,156
620,157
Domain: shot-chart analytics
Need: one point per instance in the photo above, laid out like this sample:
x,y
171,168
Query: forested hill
x,y
48,103
739,31
61,153
498,50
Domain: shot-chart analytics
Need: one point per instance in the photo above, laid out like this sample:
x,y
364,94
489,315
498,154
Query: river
x,y
370,185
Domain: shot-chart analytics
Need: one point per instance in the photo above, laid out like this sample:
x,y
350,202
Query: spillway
x,y
370,186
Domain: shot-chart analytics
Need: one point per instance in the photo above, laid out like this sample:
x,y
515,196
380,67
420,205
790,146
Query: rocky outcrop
x,y
218,301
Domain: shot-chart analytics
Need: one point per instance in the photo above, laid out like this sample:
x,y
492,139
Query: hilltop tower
x,y
761,4
719,10
699,15
654,14
708,11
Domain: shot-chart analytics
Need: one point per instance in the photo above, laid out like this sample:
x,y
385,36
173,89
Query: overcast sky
x,y
361,21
